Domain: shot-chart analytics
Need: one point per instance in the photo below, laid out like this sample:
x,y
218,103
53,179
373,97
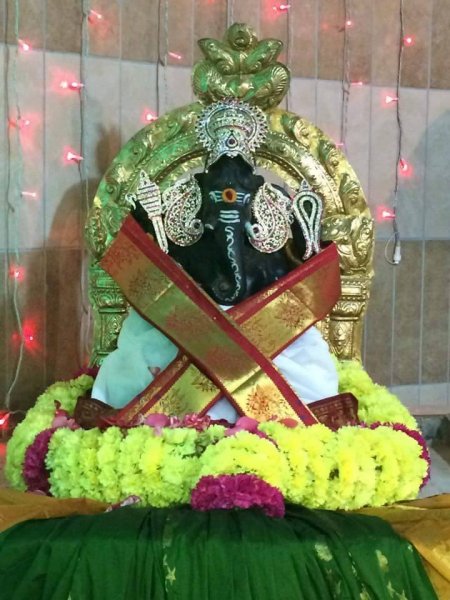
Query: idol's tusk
x,y
250,231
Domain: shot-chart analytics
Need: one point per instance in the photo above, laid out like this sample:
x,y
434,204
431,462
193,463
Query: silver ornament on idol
x,y
308,209
181,203
232,128
148,196
272,211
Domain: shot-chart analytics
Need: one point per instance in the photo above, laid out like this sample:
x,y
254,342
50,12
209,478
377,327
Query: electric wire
x,y
395,239
12,206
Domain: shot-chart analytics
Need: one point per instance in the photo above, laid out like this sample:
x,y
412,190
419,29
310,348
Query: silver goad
x,y
231,128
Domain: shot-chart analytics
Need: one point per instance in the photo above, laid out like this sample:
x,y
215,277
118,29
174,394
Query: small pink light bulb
x,y
385,213
408,40
20,123
94,17
358,83
405,168
71,85
16,272
29,333
73,156
390,99
348,23
281,8
175,55
23,45
149,117
26,194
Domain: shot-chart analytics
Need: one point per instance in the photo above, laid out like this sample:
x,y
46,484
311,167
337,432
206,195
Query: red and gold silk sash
x,y
227,361
168,298
271,319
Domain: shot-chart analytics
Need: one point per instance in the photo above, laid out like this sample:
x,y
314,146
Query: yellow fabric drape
x,y
426,524
16,507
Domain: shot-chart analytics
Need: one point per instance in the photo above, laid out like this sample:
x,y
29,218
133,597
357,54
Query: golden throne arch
x,y
295,150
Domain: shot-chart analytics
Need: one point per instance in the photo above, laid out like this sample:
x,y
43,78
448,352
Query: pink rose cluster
x,y
158,421
35,472
237,491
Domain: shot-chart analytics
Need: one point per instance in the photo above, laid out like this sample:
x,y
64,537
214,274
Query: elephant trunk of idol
x,y
230,286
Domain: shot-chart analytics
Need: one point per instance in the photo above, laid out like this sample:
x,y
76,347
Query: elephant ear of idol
x,y
241,67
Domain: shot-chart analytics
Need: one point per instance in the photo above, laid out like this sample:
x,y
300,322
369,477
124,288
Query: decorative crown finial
x,y
241,67
232,128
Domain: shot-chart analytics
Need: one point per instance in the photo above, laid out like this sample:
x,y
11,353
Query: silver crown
x,y
233,128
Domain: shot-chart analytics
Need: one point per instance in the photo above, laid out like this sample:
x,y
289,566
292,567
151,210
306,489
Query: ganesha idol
x,y
231,261
243,242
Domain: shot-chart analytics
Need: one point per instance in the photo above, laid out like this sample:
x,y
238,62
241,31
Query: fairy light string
x,y
288,52
83,171
163,53
230,13
346,82
394,242
13,194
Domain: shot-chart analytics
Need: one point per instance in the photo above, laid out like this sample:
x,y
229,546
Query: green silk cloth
x,y
180,554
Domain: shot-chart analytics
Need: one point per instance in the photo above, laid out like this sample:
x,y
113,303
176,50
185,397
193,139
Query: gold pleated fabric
x,y
426,524
16,507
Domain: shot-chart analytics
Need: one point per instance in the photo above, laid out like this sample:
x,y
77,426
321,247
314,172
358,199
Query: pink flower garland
x,y
190,421
35,472
237,491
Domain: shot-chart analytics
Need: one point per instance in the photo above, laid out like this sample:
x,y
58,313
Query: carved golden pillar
x,y
109,310
353,235
346,323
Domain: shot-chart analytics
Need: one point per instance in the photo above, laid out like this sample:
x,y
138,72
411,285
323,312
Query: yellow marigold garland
x,y
313,466
386,468
375,402
38,418
245,452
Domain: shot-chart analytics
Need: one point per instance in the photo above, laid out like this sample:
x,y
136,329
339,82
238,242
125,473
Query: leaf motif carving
x,y
351,193
353,235
265,52
221,55
330,156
